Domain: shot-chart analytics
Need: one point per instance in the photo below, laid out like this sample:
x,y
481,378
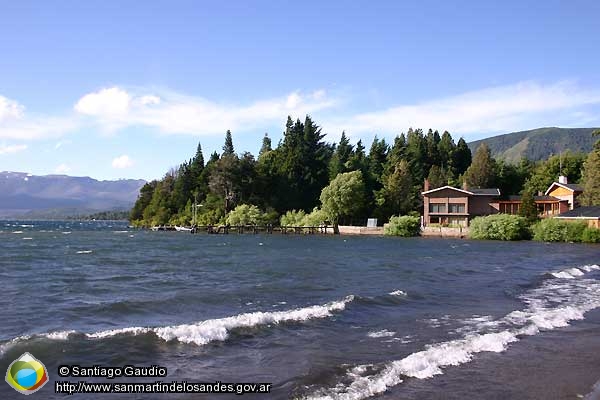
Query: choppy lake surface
x,y
318,317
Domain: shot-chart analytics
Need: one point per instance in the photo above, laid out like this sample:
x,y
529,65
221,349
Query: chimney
x,y
562,179
465,186
426,185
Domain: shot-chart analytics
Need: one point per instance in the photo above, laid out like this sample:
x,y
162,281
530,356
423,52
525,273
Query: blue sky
x,y
126,89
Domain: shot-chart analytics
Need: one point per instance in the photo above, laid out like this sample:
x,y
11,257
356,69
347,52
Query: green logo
x,y
26,374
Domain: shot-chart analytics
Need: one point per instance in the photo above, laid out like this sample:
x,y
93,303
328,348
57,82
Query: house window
x,y
437,208
457,221
456,208
434,220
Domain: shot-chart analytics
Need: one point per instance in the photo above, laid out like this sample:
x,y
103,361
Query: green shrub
x,y
590,235
292,218
316,218
554,230
405,226
245,214
499,227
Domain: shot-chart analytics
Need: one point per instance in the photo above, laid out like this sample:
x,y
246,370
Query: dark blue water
x,y
318,317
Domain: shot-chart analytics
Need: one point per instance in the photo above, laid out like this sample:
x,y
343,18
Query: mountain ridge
x,y
538,144
23,194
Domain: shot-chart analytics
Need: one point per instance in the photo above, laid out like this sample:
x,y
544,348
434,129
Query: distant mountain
x,y
55,196
538,144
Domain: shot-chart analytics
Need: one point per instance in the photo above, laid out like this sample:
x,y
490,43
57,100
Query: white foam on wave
x,y
18,232
590,268
398,293
59,335
381,334
122,331
571,273
84,252
553,305
218,329
204,332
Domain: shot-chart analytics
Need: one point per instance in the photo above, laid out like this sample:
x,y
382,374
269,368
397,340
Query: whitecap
x,y
398,293
84,252
381,334
204,332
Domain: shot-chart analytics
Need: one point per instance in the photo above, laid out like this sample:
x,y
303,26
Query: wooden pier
x,y
255,229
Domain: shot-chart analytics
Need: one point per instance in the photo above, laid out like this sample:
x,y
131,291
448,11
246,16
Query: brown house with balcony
x,y
450,206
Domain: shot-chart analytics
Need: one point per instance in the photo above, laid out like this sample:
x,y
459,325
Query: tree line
x,y
304,173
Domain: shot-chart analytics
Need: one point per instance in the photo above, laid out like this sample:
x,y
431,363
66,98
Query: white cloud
x,y
62,169
122,162
174,113
15,123
10,149
105,103
492,110
10,109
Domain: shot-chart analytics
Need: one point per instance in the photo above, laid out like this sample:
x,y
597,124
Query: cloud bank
x,y
173,113
499,109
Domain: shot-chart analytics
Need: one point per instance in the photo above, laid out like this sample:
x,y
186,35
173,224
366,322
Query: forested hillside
x,y
538,144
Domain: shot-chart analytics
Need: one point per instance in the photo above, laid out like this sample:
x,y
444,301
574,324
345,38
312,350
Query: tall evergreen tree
x,y
433,141
481,173
396,196
416,154
303,160
266,145
591,178
228,146
340,158
437,177
461,157
446,149
528,207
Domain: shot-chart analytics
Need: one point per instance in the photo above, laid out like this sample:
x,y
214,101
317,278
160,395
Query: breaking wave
x,y
203,332
552,305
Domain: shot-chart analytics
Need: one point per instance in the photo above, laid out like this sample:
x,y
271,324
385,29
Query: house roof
x,y
485,192
590,212
535,198
471,192
569,186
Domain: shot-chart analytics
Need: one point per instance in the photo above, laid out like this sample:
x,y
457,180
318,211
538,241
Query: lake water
x,y
318,317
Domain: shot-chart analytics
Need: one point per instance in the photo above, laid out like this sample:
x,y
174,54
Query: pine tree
x,y
437,177
416,154
446,149
591,179
528,207
266,145
461,157
340,158
481,173
433,141
228,146
396,197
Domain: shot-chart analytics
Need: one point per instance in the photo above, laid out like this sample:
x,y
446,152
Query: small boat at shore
x,y
183,229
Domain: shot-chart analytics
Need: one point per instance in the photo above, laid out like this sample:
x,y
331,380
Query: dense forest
x,y
341,182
